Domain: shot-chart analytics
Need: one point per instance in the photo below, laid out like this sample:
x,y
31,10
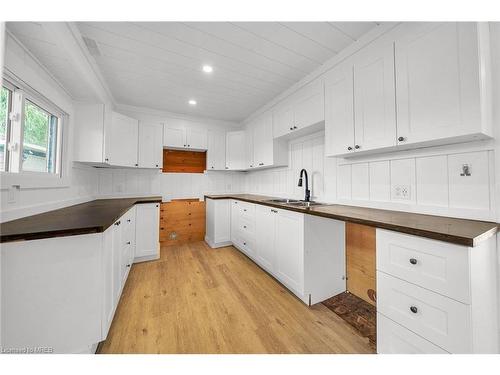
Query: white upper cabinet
x,y
196,139
441,73
150,149
106,138
122,141
184,138
374,98
424,84
174,137
216,153
250,144
360,112
339,110
263,142
302,113
236,150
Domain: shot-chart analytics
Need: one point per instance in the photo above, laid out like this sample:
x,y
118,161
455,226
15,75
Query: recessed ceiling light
x,y
192,102
207,69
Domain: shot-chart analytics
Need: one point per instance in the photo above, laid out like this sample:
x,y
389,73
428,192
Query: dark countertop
x,y
90,217
457,231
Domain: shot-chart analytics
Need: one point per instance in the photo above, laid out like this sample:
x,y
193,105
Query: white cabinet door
x,y
235,222
109,258
374,98
283,120
437,81
235,150
196,139
339,110
147,230
309,108
117,247
121,141
289,245
265,231
174,137
251,145
263,141
150,145
216,154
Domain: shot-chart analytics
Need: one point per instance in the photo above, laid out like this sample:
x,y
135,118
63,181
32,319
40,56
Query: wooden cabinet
x,y
236,150
441,73
150,148
147,245
360,111
216,153
182,221
301,113
184,138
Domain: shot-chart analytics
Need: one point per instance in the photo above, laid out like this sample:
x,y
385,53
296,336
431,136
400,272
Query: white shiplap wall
x,y
432,175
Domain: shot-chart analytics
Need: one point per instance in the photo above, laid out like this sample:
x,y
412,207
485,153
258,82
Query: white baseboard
x,y
146,258
215,245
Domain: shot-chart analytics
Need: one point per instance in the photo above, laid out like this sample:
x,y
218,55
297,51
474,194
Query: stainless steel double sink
x,y
295,202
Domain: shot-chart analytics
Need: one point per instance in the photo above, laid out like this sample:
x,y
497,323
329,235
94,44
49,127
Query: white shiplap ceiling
x,y
158,64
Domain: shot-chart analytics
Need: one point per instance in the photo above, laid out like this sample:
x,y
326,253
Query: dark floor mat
x,y
358,313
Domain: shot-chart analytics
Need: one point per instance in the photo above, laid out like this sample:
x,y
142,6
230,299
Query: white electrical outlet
x,y
402,192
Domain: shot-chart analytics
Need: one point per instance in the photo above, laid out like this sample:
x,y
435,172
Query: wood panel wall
x,y
182,221
361,261
181,161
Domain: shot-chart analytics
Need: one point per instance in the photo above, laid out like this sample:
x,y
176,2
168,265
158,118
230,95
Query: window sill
x,y
32,180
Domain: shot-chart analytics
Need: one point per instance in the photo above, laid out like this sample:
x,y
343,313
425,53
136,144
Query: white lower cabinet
x,y
147,232
393,338
218,222
435,294
289,248
312,266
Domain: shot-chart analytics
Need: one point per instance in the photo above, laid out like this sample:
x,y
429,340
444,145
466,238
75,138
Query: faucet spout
x,y
303,172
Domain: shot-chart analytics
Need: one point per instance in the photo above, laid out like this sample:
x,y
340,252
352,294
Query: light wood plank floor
x,y
199,300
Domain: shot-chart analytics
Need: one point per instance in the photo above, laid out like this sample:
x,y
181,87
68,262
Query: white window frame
x,y
15,176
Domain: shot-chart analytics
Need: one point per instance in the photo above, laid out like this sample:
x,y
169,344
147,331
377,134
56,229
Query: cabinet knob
x,y
212,167
244,226
189,145
349,148
274,211
413,309
244,243
136,164
251,166
184,145
156,205
291,128
106,159
128,265
128,242
357,147
261,163
413,261
401,139
227,167
295,127
157,165
128,220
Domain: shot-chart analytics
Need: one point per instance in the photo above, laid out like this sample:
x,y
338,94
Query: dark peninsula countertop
x,y
457,231
90,217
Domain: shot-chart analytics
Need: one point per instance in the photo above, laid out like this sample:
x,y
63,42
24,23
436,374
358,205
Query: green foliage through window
x,y
36,125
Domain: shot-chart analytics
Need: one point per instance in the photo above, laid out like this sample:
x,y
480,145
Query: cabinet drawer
x,y
247,210
393,338
247,226
441,320
435,265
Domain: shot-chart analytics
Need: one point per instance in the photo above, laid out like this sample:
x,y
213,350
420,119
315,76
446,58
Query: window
x,y
30,133
5,107
40,139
